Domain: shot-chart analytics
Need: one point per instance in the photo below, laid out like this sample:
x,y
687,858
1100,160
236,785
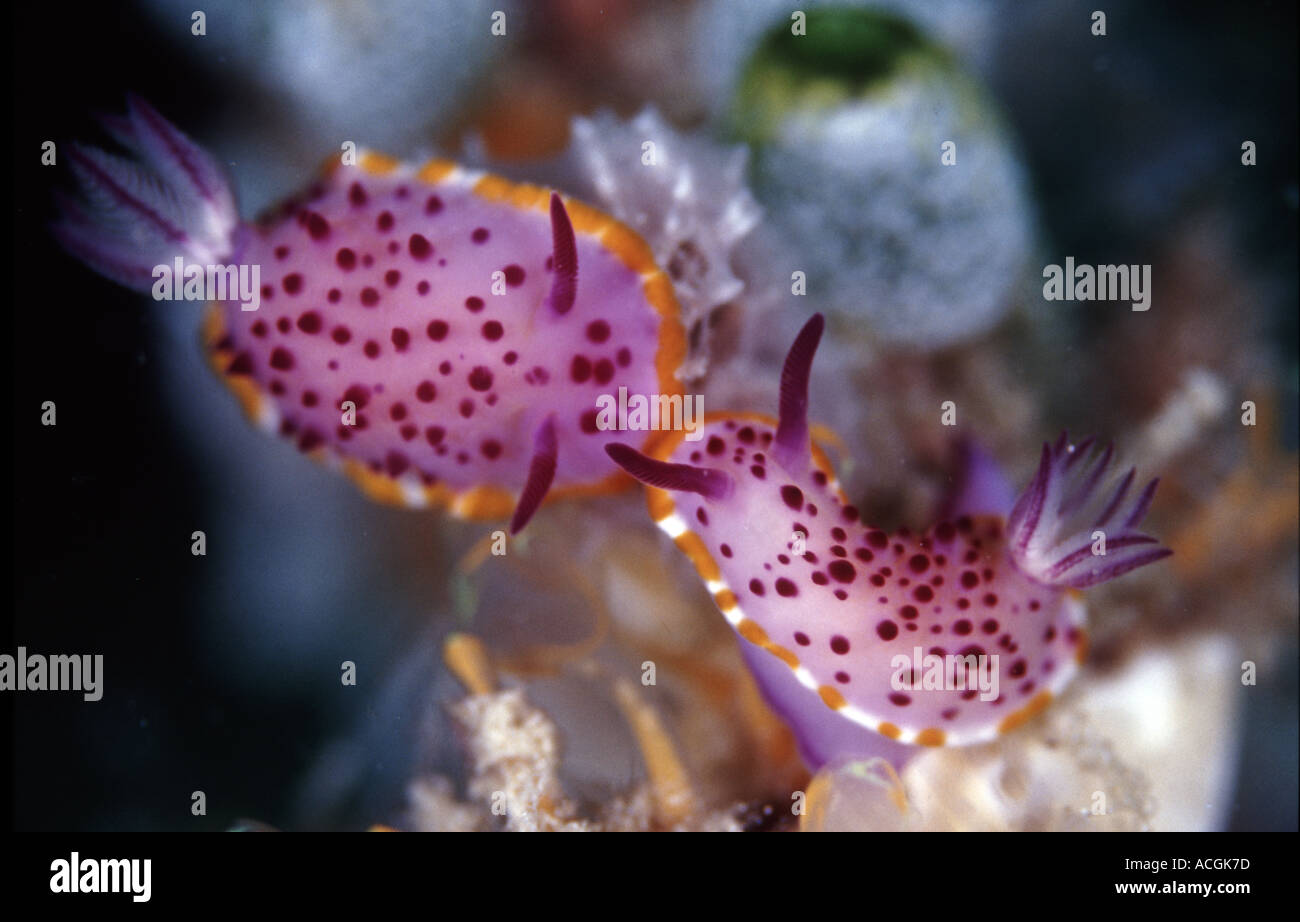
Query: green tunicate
x,y
844,53
887,175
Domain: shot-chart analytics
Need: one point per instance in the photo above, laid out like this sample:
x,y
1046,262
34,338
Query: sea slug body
x,y
439,334
840,620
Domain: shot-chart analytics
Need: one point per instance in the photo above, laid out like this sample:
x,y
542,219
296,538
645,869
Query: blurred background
x,y
222,672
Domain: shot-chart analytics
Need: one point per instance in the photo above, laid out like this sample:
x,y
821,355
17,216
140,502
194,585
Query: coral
x,y
513,751
686,195
434,808
1047,780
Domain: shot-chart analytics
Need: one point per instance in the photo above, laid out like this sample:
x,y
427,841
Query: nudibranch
x,y
439,334
843,624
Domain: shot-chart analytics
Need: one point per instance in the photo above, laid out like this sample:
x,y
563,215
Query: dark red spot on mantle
x,y
841,571
420,246
480,378
317,226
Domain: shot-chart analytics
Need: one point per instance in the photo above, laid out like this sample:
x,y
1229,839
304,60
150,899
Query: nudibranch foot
x,y
980,486
820,741
420,327
871,643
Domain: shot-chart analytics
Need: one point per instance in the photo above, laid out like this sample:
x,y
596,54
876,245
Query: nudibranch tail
x,y
564,287
176,201
1064,531
541,471
792,445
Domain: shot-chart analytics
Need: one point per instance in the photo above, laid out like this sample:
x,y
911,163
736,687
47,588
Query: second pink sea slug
x,y
870,643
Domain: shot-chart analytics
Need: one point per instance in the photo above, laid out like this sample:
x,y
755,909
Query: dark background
x,y
100,507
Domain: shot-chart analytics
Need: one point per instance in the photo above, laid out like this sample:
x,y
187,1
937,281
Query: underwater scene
x,y
677,415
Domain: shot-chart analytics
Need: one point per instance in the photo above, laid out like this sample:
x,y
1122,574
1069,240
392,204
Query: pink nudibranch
x,y
440,334
844,624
